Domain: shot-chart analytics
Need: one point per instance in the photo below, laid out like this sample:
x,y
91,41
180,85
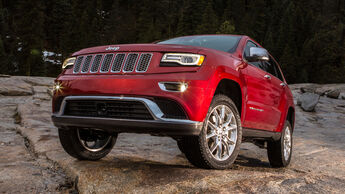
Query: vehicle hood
x,y
139,48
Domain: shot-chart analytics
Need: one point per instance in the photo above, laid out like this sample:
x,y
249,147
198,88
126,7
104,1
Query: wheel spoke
x,y
231,128
227,148
212,125
217,117
229,140
212,134
229,119
214,146
219,149
222,113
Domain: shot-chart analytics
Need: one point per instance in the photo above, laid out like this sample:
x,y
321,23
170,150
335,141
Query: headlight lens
x,y
184,59
68,63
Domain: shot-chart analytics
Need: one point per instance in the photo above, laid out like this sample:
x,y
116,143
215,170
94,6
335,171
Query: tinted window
x,y
268,67
224,43
272,68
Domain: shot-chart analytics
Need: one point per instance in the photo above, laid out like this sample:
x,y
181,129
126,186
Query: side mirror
x,y
257,54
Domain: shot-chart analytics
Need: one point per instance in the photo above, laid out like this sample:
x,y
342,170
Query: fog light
x,y
173,86
57,87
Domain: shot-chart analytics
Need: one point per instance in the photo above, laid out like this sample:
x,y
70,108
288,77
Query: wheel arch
x,y
291,117
232,89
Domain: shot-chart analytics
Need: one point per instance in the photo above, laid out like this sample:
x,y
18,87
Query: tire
x,y
72,142
277,155
198,149
182,146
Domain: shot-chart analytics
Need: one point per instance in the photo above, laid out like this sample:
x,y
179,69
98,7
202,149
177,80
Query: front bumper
x,y
157,126
154,127
194,101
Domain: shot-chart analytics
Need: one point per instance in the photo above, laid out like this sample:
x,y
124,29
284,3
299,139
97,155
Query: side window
x,y
269,67
272,68
247,51
276,66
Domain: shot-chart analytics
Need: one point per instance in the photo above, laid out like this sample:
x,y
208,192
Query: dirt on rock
x,y
148,164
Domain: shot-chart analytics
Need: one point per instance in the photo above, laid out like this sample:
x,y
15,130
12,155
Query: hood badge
x,y
112,48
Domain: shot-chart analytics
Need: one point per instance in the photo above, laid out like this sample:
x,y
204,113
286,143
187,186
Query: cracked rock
x,y
308,101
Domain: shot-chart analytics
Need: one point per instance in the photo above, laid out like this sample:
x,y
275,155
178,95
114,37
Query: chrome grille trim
x,y
130,63
96,62
86,64
125,62
108,58
77,64
144,62
117,63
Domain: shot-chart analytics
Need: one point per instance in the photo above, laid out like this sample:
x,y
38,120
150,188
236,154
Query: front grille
x,y
95,64
130,62
108,109
77,64
86,64
106,63
102,63
117,65
144,62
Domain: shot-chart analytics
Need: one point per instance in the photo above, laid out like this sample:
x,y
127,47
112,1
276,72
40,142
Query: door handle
x,y
267,77
282,84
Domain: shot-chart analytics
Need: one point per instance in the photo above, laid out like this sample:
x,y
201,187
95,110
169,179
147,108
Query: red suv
x,y
208,92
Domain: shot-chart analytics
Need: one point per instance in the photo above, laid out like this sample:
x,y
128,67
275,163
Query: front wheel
x,y
280,152
218,144
86,144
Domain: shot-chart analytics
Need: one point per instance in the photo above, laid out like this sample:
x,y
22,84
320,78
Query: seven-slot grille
x,y
108,109
115,63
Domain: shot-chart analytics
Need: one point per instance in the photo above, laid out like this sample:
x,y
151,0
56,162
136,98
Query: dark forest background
x,y
307,37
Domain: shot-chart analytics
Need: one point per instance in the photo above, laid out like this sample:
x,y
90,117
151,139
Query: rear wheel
x,y
217,146
86,144
280,152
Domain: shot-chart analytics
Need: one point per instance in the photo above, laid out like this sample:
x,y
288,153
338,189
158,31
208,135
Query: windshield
x,y
224,43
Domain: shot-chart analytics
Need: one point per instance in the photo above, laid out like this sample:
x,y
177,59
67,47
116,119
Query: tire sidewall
x,y
286,162
221,100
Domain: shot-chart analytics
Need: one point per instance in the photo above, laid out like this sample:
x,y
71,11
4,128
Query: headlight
x,y
183,59
68,63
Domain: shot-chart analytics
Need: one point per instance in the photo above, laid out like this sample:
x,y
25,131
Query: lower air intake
x,y
108,109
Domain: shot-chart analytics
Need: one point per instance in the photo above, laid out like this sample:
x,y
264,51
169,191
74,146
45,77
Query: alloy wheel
x,y
287,143
221,135
93,140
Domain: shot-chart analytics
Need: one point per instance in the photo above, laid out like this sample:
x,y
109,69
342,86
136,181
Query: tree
x,y
209,23
227,27
30,42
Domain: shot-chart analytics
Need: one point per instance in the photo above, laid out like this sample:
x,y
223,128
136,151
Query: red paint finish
x,y
265,103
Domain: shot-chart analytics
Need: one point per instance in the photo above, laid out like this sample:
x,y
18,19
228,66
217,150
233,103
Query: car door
x,y
259,94
278,92
265,93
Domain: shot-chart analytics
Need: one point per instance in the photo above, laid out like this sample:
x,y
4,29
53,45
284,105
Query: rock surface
x,y
308,101
147,164
333,94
